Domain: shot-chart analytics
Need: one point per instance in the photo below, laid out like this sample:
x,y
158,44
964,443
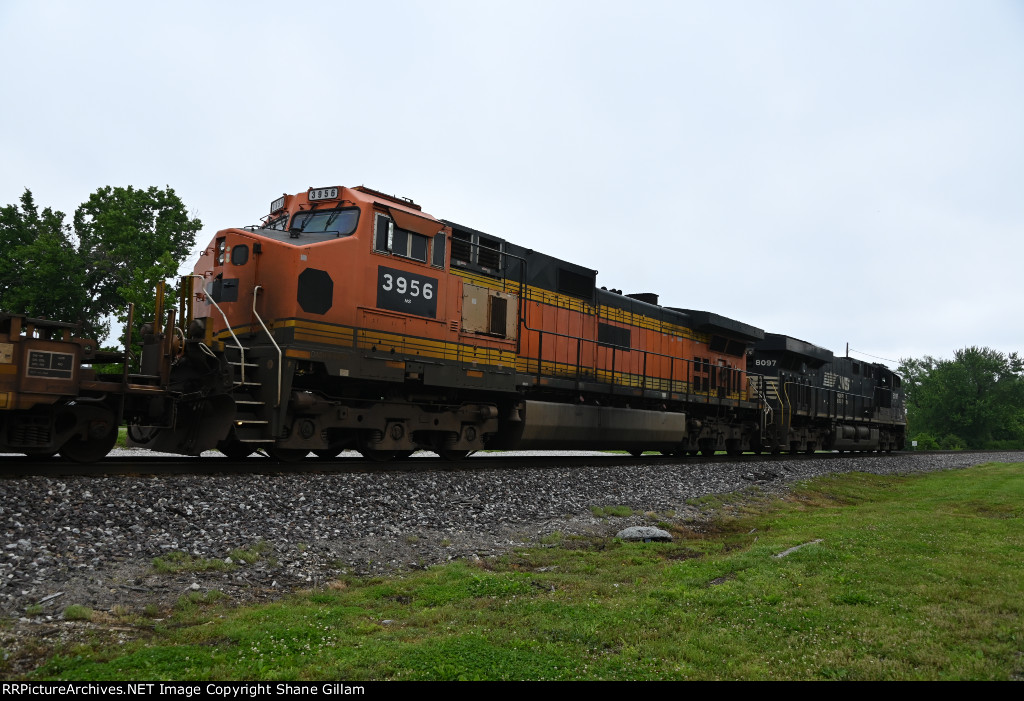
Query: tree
x,y
129,241
977,397
123,242
39,273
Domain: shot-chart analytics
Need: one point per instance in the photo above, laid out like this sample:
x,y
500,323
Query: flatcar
x,y
52,400
350,318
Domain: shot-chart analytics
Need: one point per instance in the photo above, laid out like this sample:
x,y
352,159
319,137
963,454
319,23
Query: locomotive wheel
x,y
334,449
378,455
40,454
235,450
90,449
635,453
453,455
287,454
403,454
707,452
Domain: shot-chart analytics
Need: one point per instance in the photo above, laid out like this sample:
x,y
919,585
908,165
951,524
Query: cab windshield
x,y
341,222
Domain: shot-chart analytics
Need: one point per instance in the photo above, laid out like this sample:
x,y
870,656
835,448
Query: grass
x,y
77,612
253,554
606,511
899,578
190,603
180,561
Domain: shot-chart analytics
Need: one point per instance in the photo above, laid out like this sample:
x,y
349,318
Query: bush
x,y
925,441
1008,444
951,443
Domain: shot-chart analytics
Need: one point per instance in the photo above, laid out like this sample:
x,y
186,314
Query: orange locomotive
x,y
353,319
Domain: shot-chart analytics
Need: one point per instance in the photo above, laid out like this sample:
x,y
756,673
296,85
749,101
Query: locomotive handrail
x,y
227,325
671,358
767,412
834,412
280,358
127,353
580,340
783,405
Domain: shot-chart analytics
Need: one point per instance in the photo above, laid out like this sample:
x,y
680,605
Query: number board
x,y
322,193
401,291
47,364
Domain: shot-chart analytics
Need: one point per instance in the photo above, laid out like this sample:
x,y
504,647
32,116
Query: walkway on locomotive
x,y
563,331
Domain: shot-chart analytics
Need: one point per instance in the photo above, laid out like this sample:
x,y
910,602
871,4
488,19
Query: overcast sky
x,y
843,172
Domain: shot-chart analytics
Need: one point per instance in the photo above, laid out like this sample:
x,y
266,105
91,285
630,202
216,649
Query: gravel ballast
x,y
92,540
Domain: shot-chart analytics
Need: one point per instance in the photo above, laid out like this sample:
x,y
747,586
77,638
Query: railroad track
x,y
134,464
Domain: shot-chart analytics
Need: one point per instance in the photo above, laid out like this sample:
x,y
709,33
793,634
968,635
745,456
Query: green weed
x,y
253,554
180,561
77,612
606,511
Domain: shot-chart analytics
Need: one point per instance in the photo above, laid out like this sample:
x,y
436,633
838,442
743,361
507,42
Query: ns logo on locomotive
x,y
351,319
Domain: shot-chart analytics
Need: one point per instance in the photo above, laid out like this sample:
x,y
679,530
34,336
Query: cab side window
x,y
388,238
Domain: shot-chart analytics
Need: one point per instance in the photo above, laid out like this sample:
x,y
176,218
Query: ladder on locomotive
x,y
251,422
251,411
766,391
